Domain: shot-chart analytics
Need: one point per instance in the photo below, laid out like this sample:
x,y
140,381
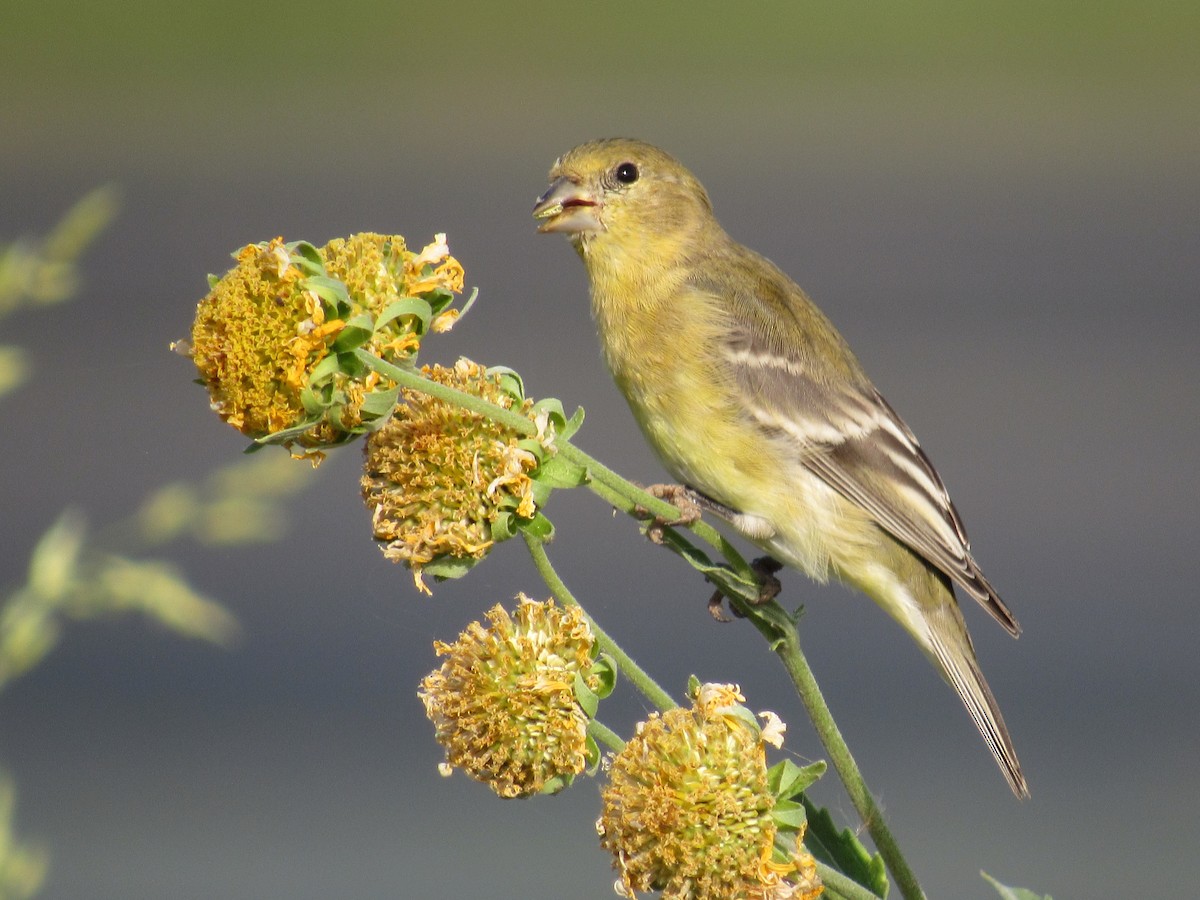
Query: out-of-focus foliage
x,y
42,271
22,865
241,503
73,573
69,579
45,271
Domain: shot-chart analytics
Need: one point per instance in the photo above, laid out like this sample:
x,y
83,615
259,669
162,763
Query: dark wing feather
x,y
846,433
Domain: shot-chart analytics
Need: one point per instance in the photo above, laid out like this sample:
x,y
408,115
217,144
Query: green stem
x,y
635,673
614,488
606,736
414,380
769,619
604,481
781,633
839,885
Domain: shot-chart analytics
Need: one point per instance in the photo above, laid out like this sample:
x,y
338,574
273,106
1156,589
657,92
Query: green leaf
x,y
450,567
539,527
378,404
285,434
470,301
354,334
553,407
503,526
742,714
720,575
325,369
560,472
532,445
1011,893
589,700
350,364
788,779
314,402
605,668
405,306
592,755
789,815
307,257
541,492
572,424
438,298
556,784
212,281
844,851
510,382
329,289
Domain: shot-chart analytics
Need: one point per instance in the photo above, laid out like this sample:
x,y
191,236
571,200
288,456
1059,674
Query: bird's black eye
x,y
627,173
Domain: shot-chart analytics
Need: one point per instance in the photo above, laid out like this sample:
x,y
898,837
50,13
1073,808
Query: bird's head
x,y
616,191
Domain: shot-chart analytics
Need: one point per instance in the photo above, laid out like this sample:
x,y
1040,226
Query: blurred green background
x,y
997,203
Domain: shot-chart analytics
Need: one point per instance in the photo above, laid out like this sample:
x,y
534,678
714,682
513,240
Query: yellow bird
x,y
753,400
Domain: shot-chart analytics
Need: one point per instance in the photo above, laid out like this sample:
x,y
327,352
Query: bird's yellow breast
x,y
661,341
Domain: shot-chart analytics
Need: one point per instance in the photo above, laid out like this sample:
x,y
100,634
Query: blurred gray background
x,y
997,203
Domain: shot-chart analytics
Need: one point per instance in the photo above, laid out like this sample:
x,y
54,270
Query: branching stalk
x,y
770,619
630,669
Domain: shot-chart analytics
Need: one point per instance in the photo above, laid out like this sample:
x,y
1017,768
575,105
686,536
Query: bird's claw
x,y
682,498
716,608
769,587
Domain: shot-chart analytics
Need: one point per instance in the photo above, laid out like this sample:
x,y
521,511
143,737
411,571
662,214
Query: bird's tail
x,y
950,647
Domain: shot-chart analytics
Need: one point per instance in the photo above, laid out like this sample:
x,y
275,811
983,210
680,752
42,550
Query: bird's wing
x,y
846,433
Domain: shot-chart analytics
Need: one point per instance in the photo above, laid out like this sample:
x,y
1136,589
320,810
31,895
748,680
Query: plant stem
x,y
606,736
414,380
604,481
784,639
635,673
781,633
614,487
843,886
770,619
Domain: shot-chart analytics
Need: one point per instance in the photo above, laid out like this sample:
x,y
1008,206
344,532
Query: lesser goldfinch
x,y
751,398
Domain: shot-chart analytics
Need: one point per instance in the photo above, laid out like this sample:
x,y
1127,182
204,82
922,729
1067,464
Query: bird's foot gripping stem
x,y
769,587
689,502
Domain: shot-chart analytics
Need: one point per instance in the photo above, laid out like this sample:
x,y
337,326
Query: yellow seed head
x,y
503,703
437,476
256,335
687,810
262,330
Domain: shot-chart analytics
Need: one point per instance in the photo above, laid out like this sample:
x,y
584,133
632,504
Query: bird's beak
x,y
567,207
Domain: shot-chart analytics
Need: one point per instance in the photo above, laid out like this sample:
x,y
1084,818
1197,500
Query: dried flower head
x,y
379,271
275,338
688,808
795,878
505,703
437,477
256,336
